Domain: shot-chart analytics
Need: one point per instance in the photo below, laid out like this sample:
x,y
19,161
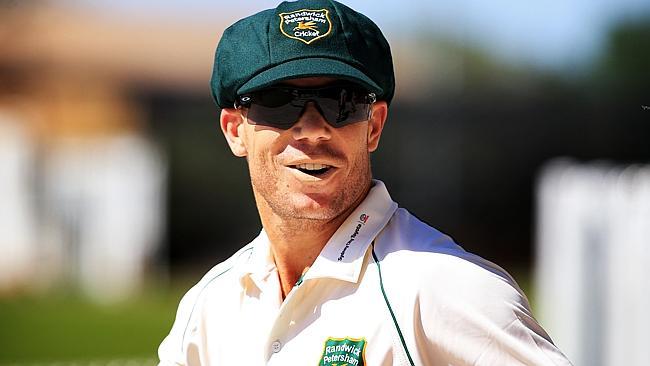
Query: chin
x,y
313,206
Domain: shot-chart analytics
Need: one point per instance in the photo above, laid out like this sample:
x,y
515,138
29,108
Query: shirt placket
x,y
290,318
261,307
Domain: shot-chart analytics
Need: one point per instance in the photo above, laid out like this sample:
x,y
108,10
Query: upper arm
x,y
481,317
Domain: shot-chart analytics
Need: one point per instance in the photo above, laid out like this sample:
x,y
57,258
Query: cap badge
x,y
306,25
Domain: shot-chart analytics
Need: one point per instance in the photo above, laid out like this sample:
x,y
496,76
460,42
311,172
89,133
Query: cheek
x,y
357,149
260,141
263,146
357,139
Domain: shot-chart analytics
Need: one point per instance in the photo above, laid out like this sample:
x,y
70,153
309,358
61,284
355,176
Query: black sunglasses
x,y
281,106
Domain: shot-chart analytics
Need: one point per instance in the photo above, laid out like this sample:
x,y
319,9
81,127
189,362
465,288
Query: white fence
x,y
593,261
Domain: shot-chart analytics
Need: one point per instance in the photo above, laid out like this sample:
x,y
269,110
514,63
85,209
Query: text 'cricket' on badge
x,y
344,351
306,25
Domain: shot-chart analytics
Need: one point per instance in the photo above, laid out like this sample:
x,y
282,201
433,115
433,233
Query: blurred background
x,y
520,129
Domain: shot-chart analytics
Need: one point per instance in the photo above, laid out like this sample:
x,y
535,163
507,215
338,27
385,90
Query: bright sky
x,y
558,34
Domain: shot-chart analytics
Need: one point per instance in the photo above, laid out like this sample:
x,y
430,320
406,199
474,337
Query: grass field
x,y
65,328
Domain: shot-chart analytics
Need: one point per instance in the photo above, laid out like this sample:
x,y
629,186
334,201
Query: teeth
x,y
310,166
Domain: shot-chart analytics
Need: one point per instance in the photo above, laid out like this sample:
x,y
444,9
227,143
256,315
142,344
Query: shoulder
x,y
218,275
224,269
432,267
408,239
221,275
457,303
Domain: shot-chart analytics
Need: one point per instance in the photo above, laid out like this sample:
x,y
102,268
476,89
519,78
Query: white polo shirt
x,y
387,289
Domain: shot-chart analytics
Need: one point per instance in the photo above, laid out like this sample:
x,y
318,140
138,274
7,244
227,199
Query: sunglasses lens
x,y
344,106
282,117
281,107
274,108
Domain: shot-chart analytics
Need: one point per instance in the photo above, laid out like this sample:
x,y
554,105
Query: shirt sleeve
x,y
172,351
484,319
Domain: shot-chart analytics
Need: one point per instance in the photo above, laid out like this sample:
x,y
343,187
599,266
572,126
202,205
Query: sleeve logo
x,y
306,25
344,352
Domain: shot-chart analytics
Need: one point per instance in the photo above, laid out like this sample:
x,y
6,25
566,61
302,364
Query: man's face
x,y
284,164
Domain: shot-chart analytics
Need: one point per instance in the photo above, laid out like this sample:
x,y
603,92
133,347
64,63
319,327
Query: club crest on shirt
x,y
344,352
306,25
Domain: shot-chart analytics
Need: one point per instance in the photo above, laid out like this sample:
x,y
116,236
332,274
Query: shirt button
x,y
275,346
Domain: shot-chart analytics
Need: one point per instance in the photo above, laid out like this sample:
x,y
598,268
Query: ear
x,y
376,124
231,122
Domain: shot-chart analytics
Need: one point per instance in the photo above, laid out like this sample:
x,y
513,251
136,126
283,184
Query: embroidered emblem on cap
x,y
306,25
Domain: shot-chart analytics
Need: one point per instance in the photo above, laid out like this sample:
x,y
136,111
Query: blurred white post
x,y
593,261
17,221
105,200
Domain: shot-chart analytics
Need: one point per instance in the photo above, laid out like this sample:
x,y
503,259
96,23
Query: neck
x,y
296,243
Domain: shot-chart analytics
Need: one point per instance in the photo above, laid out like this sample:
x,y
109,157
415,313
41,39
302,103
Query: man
x,y
339,274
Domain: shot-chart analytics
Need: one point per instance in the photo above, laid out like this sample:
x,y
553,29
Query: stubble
x,y
272,188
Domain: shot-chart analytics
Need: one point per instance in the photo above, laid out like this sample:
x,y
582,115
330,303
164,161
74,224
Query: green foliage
x,y
624,66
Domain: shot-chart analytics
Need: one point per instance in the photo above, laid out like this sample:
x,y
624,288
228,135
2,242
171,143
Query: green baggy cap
x,y
299,39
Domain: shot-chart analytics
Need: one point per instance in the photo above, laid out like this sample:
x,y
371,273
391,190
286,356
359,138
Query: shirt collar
x,y
343,255
258,264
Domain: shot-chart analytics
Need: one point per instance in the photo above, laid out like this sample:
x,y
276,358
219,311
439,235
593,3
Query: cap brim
x,y
309,67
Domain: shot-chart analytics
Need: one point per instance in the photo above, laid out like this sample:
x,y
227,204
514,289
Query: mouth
x,y
314,170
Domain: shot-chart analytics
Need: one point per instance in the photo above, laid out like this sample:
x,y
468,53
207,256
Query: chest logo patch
x,y
344,352
306,25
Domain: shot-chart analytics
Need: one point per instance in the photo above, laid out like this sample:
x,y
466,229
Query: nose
x,y
311,125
